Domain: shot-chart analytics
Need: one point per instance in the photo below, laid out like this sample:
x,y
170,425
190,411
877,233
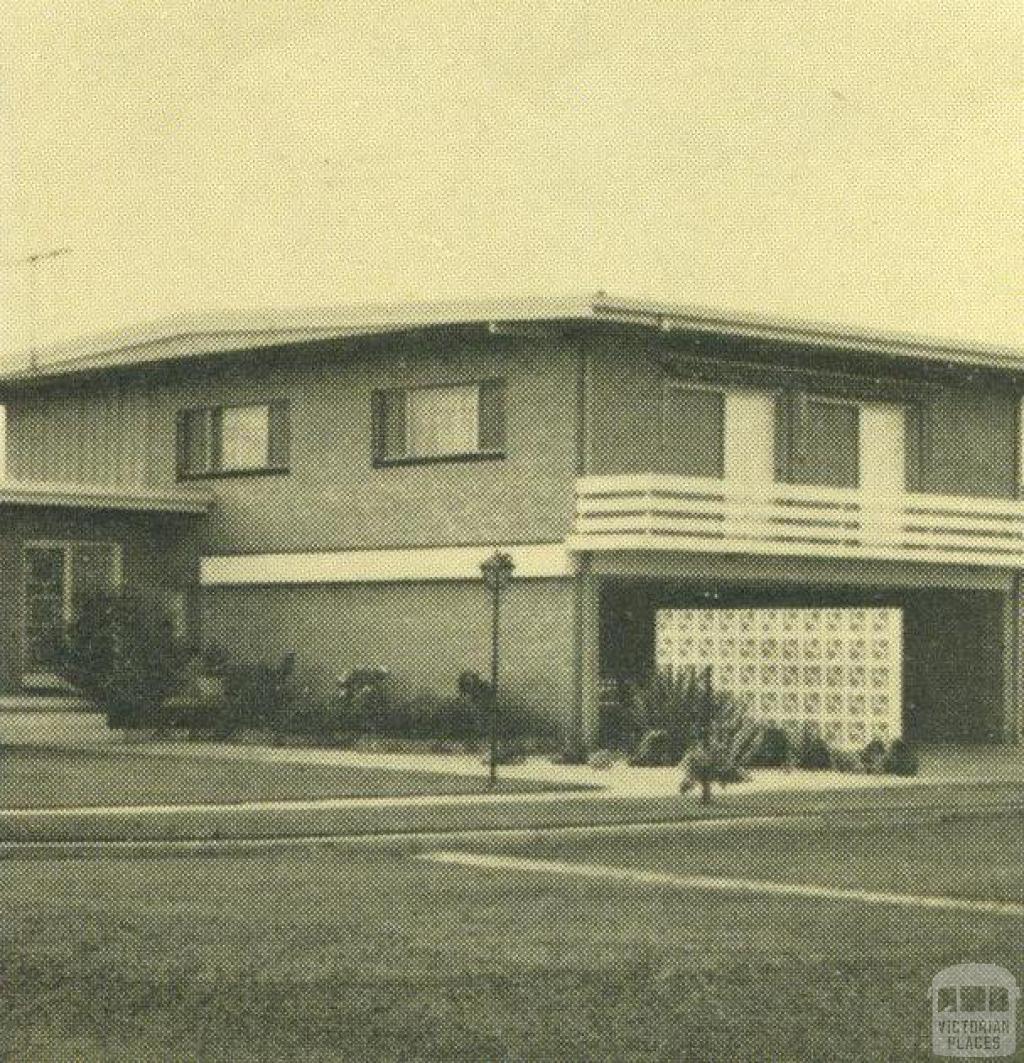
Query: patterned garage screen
x,y
838,671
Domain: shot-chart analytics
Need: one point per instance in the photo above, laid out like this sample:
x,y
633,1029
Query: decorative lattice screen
x,y
838,671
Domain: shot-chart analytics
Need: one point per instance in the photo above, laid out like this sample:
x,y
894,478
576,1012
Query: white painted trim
x,y
100,496
534,561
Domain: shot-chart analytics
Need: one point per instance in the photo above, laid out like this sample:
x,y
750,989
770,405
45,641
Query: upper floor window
x,y
448,422
719,432
829,443
693,430
846,443
226,440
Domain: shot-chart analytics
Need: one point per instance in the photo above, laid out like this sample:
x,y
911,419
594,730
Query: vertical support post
x,y
585,725
705,711
497,572
495,620
1013,698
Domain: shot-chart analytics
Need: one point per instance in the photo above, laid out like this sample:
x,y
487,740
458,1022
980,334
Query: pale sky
x,y
851,162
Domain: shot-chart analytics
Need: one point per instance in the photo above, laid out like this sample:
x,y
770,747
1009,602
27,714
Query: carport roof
x,y
100,496
196,335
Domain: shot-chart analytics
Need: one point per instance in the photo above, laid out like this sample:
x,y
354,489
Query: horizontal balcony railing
x,y
665,512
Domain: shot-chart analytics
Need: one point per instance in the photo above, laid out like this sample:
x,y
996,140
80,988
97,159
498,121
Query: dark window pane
x,y
998,998
280,435
195,451
388,414
694,432
829,443
492,416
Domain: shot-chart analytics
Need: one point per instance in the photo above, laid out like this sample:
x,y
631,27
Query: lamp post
x,y
497,572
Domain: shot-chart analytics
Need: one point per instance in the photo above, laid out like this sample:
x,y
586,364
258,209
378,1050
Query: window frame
x,y
279,423
725,389
378,431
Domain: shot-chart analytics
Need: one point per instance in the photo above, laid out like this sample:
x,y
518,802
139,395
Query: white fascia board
x,y
99,496
534,561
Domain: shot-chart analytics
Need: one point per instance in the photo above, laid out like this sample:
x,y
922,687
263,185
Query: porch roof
x,y
101,496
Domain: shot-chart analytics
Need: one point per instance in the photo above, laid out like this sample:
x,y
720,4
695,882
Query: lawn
x,y
981,857
37,777
333,953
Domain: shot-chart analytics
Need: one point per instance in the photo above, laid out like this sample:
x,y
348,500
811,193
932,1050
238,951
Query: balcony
x,y
665,512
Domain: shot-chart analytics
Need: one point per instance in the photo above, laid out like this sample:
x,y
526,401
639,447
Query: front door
x,y
56,578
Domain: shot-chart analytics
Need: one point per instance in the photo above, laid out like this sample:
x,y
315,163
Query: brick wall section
x,y
425,634
123,431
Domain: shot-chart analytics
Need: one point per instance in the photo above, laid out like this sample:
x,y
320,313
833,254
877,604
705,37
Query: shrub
x,y
872,756
900,758
813,751
669,701
362,696
773,750
571,754
845,760
601,759
725,743
654,750
121,652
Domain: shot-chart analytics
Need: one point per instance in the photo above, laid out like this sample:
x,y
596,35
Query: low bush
x,y
900,758
571,754
121,652
773,750
872,756
813,752
845,760
601,759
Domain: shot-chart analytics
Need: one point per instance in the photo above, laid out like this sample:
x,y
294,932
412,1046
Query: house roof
x,y
196,335
100,496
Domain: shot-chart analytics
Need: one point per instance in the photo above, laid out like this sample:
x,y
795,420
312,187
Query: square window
x,y
222,440
434,423
441,421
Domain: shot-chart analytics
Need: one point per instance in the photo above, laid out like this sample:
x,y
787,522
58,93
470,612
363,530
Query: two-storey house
x,y
830,519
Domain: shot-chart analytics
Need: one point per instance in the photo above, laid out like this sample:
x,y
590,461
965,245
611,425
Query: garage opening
x,y
925,663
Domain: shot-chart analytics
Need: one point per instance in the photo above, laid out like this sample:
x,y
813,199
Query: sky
x,y
856,163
